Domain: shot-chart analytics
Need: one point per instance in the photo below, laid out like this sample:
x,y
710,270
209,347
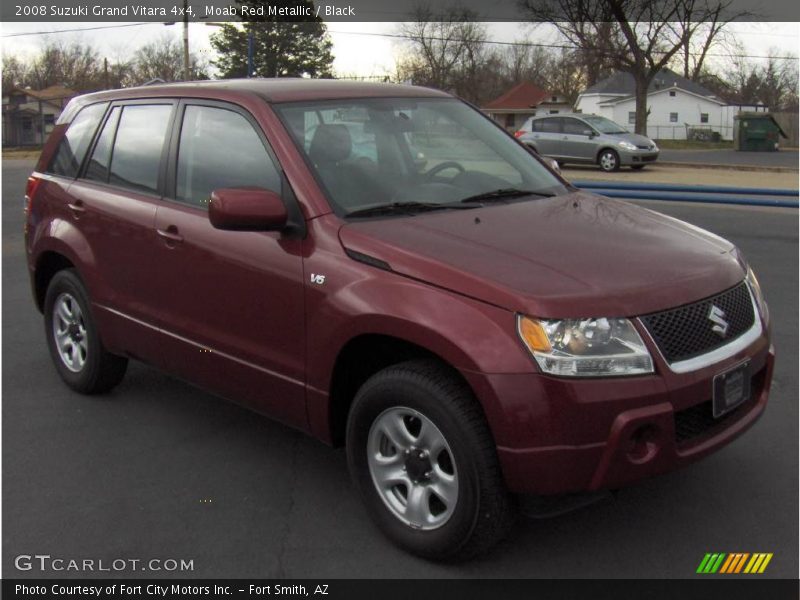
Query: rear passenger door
x,y
230,302
576,141
114,203
547,134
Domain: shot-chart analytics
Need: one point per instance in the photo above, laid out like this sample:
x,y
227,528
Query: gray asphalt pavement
x,y
160,469
783,158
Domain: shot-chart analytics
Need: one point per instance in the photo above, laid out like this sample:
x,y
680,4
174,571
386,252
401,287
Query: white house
x,y
677,107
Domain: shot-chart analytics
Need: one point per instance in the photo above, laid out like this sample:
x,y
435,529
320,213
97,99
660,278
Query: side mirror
x,y
247,209
554,165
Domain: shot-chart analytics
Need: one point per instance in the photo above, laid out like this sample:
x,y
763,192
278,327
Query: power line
x,y
10,35
540,45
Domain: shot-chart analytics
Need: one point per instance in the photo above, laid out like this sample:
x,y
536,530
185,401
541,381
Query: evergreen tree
x,y
283,46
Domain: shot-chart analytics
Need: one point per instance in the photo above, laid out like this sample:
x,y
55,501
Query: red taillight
x,y
518,133
30,192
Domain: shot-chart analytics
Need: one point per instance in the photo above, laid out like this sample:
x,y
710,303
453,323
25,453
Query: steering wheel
x,y
449,164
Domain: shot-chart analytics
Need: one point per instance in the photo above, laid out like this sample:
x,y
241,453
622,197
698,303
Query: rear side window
x,y
101,156
549,125
73,146
136,157
219,148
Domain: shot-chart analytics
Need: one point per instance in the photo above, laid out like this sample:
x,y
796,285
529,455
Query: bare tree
x,y
637,36
75,65
441,42
163,59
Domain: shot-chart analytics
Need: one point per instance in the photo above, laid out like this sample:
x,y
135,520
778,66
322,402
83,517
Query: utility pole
x,y
187,74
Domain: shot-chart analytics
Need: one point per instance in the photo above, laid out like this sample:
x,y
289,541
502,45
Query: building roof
x,y
622,83
620,99
54,92
525,95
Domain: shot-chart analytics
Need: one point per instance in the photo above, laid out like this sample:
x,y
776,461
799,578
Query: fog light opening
x,y
643,444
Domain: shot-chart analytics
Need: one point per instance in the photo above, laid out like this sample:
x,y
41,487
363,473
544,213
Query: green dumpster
x,y
756,132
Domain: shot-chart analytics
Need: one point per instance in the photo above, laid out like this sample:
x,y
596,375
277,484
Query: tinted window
x,y
76,140
575,127
549,125
101,156
220,149
137,149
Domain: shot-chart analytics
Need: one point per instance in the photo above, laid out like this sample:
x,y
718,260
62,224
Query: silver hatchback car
x,y
587,139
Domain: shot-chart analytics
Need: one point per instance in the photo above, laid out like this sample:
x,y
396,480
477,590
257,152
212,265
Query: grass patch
x,y
693,145
27,152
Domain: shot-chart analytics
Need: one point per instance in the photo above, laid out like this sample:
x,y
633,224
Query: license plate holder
x,y
731,389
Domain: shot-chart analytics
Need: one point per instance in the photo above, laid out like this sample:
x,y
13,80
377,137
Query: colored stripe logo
x,y
734,563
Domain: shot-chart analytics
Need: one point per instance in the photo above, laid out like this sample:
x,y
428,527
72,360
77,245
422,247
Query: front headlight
x,y
585,347
755,289
655,147
627,145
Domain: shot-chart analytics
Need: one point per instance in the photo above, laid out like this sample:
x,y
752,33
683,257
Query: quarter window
x,y
136,157
73,146
101,156
220,149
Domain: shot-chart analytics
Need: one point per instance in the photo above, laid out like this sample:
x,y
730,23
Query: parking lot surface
x,y
783,158
160,469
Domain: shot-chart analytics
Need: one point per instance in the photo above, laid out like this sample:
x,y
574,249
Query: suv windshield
x,y
377,152
604,125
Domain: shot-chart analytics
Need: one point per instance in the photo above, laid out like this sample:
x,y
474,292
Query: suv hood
x,y
576,255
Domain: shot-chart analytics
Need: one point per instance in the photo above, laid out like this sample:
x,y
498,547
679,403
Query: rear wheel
x,y
75,347
423,460
608,160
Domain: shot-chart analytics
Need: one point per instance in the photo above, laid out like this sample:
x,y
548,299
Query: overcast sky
x,y
357,50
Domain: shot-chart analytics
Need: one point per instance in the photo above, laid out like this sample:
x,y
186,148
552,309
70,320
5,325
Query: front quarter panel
x,y
356,299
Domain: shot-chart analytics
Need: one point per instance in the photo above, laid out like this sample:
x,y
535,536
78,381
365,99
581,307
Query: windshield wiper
x,y
404,208
504,193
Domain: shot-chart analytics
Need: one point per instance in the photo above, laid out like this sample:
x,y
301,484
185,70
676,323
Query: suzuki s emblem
x,y
717,316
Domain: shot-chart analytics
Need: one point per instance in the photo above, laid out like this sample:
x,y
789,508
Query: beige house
x,y
30,115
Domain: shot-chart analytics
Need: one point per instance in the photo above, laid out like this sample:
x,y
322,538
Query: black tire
x,y
96,371
608,160
483,513
637,167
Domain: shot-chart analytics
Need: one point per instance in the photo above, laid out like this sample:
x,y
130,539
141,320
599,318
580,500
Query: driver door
x,y
231,302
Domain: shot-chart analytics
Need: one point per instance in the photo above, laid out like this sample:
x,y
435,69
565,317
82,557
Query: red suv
x,y
383,267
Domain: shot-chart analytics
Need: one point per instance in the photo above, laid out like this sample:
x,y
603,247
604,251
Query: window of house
x,y
49,119
553,98
220,149
673,117
554,111
632,118
75,143
704,117
136,157
672,93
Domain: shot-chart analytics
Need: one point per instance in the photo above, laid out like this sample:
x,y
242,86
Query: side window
x,y
136,157
574,127
101,156
550,125
73,146
220,149
536,125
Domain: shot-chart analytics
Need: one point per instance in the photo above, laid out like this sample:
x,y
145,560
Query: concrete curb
x,y
768,169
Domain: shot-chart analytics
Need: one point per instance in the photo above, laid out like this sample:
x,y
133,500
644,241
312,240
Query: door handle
x,y
170,235
77,208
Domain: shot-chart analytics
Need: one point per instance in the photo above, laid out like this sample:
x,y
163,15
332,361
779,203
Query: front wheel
x,y
424,462
608,160
73,339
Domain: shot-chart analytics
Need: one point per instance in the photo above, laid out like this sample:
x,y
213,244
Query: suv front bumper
x,y
557,435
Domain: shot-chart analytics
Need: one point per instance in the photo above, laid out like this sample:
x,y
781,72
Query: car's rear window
x,y
72,149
